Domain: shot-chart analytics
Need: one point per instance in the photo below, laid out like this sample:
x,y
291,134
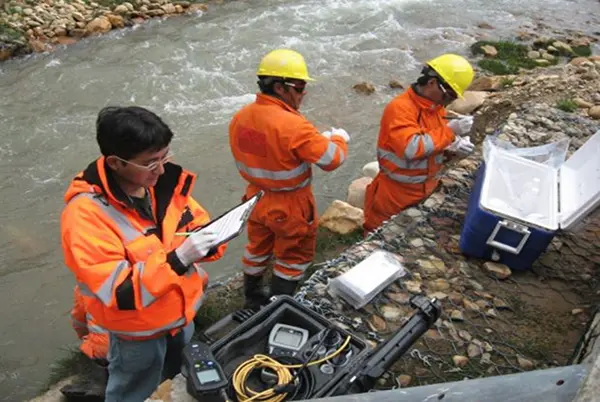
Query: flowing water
x,y
195,72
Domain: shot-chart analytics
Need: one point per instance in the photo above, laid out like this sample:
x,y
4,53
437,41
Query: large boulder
x,y
371,169
98,25
342,218
472,100
356,192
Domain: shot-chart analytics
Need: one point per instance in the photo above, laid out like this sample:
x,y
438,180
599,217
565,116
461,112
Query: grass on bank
x,y
510,58
567,105
217,304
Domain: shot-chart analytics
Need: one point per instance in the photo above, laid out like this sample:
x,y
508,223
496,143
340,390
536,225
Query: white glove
x,y
461,125
461,146
341,132
196,246
326,134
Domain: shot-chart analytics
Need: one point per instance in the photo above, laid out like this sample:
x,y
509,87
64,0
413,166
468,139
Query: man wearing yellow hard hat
x,y
414,135
274,147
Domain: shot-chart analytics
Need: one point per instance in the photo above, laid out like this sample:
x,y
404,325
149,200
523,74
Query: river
x,y
195,72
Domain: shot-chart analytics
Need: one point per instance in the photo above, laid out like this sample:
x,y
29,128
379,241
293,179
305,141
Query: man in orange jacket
x,y
139,279
414,136
274,147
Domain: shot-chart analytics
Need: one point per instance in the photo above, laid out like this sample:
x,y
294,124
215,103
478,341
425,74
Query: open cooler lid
x,y
579,183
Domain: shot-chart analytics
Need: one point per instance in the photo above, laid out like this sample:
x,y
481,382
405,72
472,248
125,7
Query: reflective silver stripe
x,y
147,297
401,178
288,277
254,270
97,329
299,267
284,189
129,231
84,290
199,302
106,290
256,258
329,155
272,174
417,164
413,146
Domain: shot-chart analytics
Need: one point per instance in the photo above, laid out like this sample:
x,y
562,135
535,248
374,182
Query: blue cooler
x,y
517,206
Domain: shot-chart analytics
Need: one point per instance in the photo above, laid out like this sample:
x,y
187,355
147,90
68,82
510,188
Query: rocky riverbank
x,y
28,26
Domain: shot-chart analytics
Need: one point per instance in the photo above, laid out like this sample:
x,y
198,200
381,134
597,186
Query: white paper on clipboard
x,y
230,224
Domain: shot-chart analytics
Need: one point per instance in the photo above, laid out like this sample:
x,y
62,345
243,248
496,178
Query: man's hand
x,y
196,246
340,132
462,146
461,125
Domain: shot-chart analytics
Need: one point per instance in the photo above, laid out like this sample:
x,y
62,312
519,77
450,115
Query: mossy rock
x,y
511,56
582,51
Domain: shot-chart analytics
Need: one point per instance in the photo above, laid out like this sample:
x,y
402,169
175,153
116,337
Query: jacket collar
x,y
263,99
420,101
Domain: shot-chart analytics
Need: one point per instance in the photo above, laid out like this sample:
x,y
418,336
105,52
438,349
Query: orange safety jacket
x,y
274,146
131,279
412,137
94,338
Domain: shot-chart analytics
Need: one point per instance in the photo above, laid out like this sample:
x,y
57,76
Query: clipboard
x,y
233,222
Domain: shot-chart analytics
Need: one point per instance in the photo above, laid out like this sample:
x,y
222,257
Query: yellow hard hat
x,y
455,70
284,63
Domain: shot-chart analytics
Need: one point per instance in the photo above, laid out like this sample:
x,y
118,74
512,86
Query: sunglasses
x,y
448,92
300,88
152,166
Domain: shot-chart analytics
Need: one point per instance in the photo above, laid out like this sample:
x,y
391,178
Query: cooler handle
x,y
519,229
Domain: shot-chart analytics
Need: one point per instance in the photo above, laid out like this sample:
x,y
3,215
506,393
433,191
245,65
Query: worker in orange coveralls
x,y
274,147
414,136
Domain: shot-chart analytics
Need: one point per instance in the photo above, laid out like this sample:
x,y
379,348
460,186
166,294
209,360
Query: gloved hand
x,y
341,132
196,246
326,134
462,146
461,125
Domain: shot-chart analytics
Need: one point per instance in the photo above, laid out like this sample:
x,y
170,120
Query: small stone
x,y
488,330
399,297
594,112
465,335
576,311
525,364
77,16
583,104
484,25
413,212
562,46
491,313
577,61
457,315
469,305
417,243
392,313
121,9
404,380
455,298
439,285
413,286
473,350
487,347
365,88
377,323
489,51
548,56
542,62
179,9
486,358
460,361
500,304
169,8
475,285
396,84
499,271
533,54
116,21
433,334
438,295
482,304
341,217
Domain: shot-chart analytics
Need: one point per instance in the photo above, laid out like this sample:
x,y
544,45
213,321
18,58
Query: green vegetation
x,y
582,51
7,32
511,56
567,105
507,82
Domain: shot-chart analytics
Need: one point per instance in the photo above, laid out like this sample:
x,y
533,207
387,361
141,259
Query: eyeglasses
x,y
152,166
448,92
300,88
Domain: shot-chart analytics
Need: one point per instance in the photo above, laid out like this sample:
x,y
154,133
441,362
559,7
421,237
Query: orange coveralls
x,y
274,146
410,151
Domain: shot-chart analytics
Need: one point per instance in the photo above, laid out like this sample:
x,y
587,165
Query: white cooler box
x,y
517,205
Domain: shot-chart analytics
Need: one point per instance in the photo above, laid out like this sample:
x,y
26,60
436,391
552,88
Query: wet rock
x,y
404,380
489,51
399,297
396,84
524,363
499,271
37,45
342,218
439,285
98,25
469,305
484,25
371,169
472,100
413,286
116,21
356,192
365,88
460,361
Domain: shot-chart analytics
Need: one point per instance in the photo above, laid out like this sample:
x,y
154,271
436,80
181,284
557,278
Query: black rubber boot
x,y
280,286
256,296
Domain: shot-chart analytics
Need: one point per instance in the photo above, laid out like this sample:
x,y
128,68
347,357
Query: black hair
x,y
128,131
427,73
